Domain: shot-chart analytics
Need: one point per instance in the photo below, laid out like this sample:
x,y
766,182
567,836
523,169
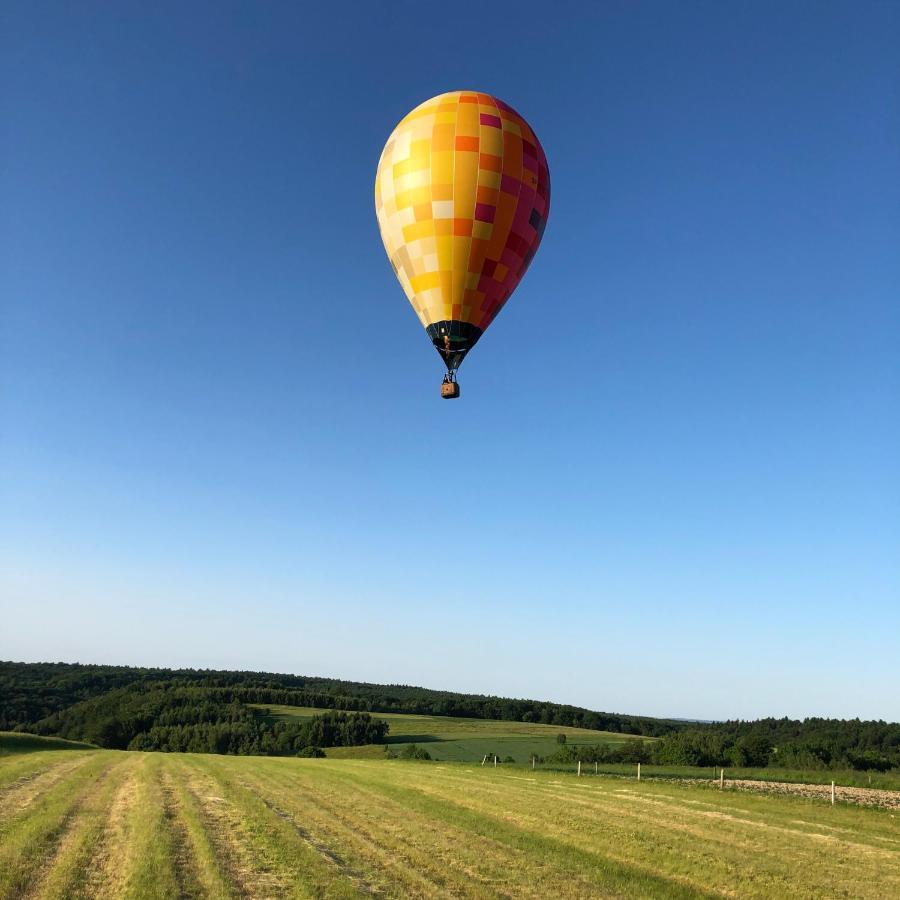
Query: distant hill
x,y
217,711
123,706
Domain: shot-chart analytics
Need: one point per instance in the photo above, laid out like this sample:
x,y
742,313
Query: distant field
x,y
98,823
462,740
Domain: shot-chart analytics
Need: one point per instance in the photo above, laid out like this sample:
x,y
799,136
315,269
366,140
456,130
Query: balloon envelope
x,y
462,195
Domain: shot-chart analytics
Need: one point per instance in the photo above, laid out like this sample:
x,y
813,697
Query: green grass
x,y
458,739
101,823
889,781
18,743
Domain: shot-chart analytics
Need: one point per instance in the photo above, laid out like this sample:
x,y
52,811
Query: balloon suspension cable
x,y
450,377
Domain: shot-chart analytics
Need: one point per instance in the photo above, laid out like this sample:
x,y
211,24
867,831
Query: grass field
x,y
97,823
13,742
889,781
456,739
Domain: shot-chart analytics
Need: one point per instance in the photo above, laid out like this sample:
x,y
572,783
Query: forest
x,y
207,711
32,692
174,716
765,743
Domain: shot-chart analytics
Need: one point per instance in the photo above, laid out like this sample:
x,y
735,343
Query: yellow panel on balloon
x,y
462,195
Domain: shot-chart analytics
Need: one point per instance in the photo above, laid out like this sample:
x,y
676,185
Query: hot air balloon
x,y
462,194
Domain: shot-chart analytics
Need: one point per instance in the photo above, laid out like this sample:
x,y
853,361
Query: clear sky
x,y
672,483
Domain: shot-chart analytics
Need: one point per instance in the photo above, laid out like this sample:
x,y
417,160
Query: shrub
x,y
311,752
414,752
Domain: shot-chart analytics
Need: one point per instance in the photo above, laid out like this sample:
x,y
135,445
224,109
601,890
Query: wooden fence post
x,y
533,760
832,793
495,760
639,771
596,767
485,759
721,779
579,768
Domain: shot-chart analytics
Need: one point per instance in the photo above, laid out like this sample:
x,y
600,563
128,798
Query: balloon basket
x,y
449,390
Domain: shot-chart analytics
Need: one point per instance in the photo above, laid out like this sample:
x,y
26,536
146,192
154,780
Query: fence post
x,y
533,760
596,764
639,771
485,759
721,779
832,793
579,768
495,760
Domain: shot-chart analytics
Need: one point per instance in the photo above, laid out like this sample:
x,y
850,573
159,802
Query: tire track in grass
x,y
460,861
323,850
113,856
417,850
729,852
152,873
589,816
261,852
16,769
885,853
587,806
65,869
210,874
225,830
378,856
187,875
602,873
29,839
302,871
18,796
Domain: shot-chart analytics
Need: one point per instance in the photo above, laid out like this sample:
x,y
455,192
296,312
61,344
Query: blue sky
x,y
672,483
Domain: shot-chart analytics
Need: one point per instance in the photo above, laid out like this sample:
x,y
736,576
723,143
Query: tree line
x,y
182,718
198,709
30,692
767,743
813,743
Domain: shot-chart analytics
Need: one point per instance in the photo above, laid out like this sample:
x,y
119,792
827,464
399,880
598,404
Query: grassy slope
x,y
457,739
107,824
16,742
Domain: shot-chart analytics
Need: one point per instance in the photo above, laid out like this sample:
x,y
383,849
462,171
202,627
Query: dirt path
x,y
860,796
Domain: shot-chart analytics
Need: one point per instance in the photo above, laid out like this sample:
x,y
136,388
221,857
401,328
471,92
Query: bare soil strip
x,y
860,796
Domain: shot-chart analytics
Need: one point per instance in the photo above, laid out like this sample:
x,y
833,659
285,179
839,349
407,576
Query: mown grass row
x,y
105,824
